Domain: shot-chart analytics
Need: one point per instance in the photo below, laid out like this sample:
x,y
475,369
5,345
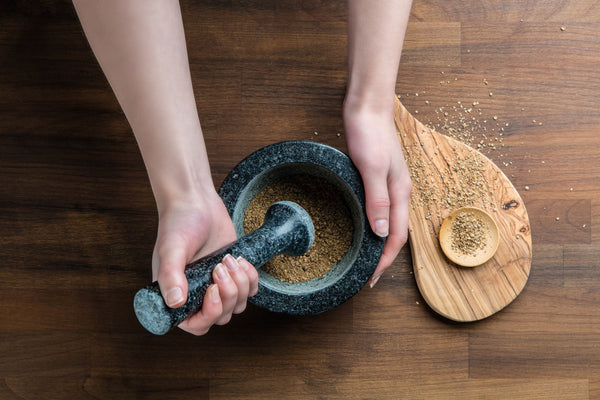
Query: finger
x,y
171,260
212,309
400,194
241,280
228,292
377,202
252,274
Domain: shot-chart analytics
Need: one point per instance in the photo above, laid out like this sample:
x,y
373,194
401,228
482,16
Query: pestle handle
x,y
287,229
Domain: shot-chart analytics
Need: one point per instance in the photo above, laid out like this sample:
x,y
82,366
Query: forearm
x,y
375,36
141,48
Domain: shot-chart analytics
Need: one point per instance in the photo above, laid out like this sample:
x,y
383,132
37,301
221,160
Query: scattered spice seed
x,y
466,185
460,123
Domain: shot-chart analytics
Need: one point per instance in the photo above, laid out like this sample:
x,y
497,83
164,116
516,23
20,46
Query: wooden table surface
x,y
78,220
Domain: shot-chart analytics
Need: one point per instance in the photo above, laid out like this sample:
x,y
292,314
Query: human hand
x,y
142,51
375,149
188,230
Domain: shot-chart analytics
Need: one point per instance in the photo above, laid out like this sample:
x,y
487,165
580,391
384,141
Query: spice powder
x,y
330,216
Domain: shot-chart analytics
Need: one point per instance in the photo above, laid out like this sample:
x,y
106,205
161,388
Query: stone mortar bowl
x,y
285,159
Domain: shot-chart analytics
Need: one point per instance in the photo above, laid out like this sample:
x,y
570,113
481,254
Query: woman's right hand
x,y
188,230
142,51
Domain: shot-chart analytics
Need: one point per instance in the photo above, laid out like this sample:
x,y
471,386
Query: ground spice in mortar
x,y
330,216
468,234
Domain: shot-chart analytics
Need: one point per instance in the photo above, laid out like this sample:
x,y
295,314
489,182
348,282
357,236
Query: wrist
x,y
176,160
365,121
368,102
181,182
199,197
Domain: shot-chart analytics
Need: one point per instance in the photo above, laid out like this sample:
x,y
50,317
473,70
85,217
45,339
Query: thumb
x,y
170,260
377,203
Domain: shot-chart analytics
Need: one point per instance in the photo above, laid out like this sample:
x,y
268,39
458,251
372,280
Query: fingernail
x,y
221,272
382,227
231,262
374,281
214,294
242,264
174,296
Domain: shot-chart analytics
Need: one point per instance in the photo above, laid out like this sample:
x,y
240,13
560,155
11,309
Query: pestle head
x,y
152,312
290,218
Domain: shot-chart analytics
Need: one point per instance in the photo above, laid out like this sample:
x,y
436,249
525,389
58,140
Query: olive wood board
x,y
446,175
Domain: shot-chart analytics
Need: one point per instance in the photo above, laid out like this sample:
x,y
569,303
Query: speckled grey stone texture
x,y
287,229
348,276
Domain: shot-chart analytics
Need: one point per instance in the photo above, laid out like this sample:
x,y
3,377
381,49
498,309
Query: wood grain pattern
x,y
78,220
443,170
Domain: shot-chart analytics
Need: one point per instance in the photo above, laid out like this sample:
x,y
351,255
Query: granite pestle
x,y
287,229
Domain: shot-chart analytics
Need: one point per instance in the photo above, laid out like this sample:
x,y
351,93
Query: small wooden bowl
x,y
479,255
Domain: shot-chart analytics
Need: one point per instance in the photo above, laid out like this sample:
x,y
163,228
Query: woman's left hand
x,y
375,149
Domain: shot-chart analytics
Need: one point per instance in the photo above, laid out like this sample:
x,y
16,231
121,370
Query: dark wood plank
x,y
43,388
582,266
48,354
287,354
125,388
549,263
405,389
86,310
561,221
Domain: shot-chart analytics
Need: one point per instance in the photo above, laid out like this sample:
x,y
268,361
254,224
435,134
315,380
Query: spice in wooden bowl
x,y
469,236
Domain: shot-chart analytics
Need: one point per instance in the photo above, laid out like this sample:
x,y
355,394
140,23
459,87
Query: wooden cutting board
x,y
446,175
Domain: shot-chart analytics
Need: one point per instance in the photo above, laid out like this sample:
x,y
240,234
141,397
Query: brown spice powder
x,y
331,219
